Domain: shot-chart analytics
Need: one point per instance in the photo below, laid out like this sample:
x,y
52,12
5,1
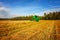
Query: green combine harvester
x,y
35,18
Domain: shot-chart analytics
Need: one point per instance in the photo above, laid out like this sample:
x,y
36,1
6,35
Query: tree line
x,y
52,16
47,16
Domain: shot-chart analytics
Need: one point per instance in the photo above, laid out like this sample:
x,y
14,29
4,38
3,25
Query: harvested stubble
x,y
27,30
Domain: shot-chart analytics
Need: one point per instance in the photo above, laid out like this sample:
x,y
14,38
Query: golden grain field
x,y
27,30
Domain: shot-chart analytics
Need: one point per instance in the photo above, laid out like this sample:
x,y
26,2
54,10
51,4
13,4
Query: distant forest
x,y
47,16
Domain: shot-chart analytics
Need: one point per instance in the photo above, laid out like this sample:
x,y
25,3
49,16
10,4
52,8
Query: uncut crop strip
x,y
57,25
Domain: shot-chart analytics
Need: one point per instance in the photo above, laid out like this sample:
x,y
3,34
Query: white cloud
x,y
4,8
51,10
4,11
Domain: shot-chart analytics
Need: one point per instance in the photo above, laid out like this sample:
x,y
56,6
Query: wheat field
x,y
28,30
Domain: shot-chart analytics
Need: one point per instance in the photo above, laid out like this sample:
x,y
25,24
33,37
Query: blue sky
x,y
30,7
